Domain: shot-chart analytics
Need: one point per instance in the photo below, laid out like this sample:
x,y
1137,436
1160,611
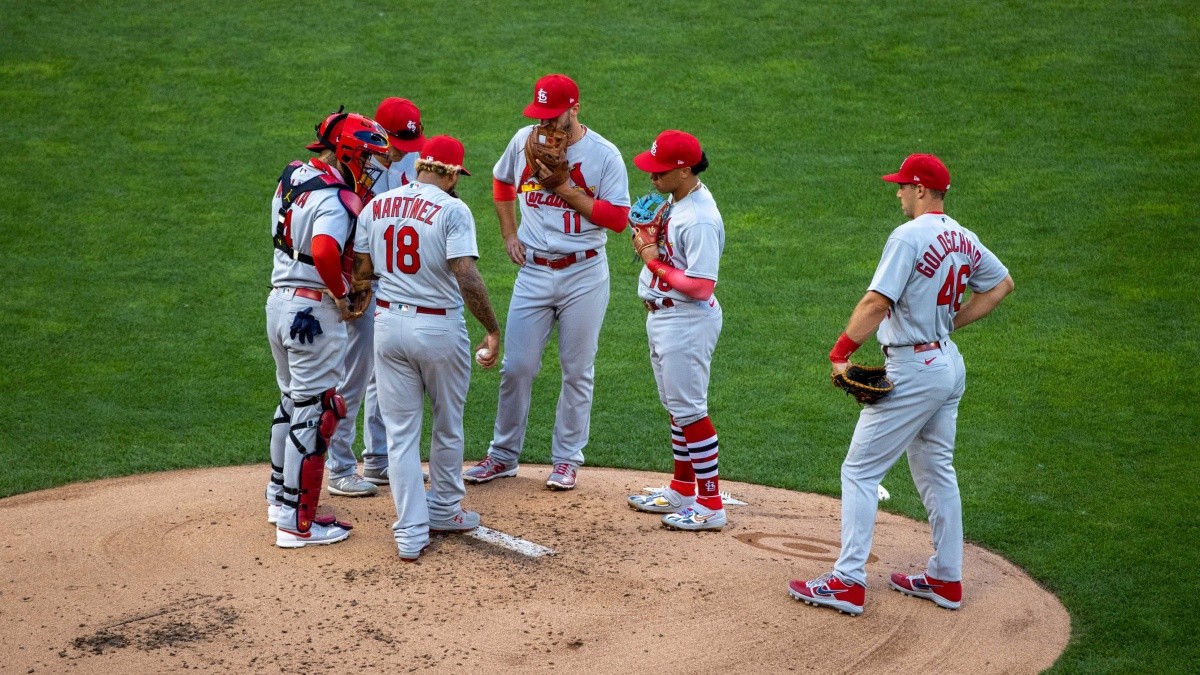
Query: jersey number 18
x,y
402,247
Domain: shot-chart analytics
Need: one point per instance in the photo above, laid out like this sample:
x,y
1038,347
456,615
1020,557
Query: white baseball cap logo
x,y
542,97
654,148
412,126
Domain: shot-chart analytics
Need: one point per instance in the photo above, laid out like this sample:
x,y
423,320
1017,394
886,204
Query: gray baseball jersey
x,y
926,266
575,295
401,172
313,213
693,240
410,233
549,224
421,348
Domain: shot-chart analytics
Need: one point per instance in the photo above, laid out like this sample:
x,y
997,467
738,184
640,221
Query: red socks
x,y
702,446
684,480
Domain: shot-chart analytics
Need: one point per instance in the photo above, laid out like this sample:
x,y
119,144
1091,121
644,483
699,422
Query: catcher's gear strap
x,y
609,216
290,193
333,408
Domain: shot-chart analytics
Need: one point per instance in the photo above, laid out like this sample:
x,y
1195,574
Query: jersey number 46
x,y
956,284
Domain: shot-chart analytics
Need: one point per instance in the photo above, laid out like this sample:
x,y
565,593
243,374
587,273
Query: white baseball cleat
x,y
317,534
662,500
695,518
273,513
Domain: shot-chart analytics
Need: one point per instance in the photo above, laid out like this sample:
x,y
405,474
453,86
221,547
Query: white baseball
x,y
883,494
483,354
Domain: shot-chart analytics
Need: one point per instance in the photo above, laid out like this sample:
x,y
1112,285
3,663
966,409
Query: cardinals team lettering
x,y
949,241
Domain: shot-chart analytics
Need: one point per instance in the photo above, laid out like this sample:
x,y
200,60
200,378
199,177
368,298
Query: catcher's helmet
x,y
358,138
327,131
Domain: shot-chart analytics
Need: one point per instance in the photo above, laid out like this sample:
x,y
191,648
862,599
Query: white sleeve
x,y
701,246
460,233
894,269
614,181
508,167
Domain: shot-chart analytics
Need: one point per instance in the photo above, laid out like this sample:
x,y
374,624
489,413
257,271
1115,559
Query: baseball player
x,y
315,206
420,240
915,300
401,119
566,207
682,252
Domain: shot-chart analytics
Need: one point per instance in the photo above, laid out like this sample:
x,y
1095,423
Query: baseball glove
x,y
648,217
359,298
867,384
549,146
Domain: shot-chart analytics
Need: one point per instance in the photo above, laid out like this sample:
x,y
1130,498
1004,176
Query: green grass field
x,y
144,140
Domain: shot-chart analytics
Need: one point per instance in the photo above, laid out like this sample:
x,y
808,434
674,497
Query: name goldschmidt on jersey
x,y
950,241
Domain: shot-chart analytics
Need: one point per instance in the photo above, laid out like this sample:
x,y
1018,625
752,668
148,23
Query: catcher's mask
x,y
358,139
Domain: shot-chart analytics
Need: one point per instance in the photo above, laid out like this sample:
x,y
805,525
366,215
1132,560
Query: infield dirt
x,y
178,571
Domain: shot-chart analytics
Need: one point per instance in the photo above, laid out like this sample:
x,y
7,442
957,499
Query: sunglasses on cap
x,y
408,134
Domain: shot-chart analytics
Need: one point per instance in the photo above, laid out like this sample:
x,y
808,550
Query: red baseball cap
x,y
447,150
402,120
552,95
672,149
924,170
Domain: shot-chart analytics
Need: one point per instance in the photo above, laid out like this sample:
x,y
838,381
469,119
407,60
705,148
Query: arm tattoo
x,y
474,293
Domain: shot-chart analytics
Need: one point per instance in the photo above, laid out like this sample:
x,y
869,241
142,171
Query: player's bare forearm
x,y
506,213
867,316
363,267
980,305
474,293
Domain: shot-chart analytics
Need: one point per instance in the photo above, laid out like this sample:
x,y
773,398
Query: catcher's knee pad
x,y
333,410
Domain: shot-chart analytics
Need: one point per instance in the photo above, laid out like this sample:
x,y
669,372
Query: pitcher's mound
x,y
179,570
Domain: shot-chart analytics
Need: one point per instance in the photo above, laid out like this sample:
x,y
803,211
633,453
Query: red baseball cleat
x,y
946,594
830,591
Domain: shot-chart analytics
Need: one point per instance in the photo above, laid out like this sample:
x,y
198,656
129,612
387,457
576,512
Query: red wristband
x,y
842,349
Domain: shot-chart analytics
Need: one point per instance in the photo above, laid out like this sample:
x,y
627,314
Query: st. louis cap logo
x,y
412,126
654,148
542,97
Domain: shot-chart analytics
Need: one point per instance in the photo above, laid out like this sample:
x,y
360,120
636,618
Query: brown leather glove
x,y
548,146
